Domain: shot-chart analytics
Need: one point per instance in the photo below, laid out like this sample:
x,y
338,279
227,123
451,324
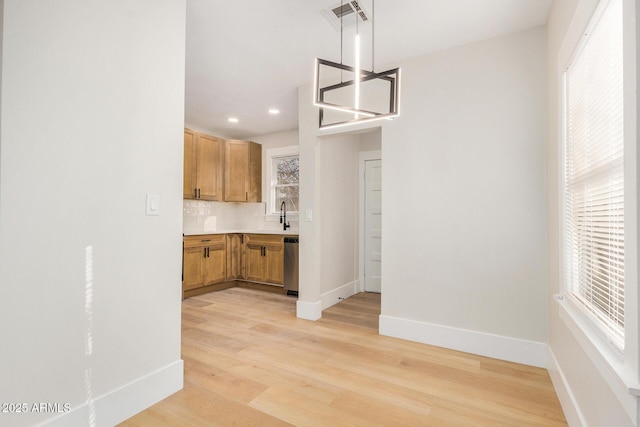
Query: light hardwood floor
x,y
250,362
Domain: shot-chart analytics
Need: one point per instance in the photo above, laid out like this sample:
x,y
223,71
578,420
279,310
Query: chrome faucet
x,y
283,219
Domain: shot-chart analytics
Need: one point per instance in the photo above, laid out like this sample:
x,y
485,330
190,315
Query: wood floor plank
x,y
375,411
286,379
223,382
250,361
367,385
196,406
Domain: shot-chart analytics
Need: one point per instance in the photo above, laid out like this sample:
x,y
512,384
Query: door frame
x,y
364,156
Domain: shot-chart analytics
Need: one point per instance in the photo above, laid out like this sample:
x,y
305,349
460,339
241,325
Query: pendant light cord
x,y
373,35
341,30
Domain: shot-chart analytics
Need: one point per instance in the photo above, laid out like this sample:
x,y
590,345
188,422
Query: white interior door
x,y
373,225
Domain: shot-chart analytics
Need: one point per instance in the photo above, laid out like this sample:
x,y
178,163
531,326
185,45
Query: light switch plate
x,y
153,204
308,215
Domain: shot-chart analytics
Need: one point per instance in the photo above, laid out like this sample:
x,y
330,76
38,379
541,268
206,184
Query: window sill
x,y
608,360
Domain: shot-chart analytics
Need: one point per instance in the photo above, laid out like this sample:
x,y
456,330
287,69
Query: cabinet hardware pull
x,y
207,240
246,196
208,252
204,255
195,193
198,193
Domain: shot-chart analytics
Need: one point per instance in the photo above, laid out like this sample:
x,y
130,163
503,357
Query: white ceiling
x,y
244,57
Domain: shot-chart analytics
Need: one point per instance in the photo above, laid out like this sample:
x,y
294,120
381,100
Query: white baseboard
x,y
313,310
334,296
570,407
123,403
496,346
309,310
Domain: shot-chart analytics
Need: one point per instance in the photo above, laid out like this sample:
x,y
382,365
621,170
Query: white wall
x,y
589,390
278,139
370,141
216,133
464,224
92,115
338,172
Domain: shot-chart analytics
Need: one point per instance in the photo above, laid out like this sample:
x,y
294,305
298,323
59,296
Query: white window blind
x,y
594,174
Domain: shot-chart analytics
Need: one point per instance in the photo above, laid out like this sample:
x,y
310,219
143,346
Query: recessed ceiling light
x,y
233,120
274,111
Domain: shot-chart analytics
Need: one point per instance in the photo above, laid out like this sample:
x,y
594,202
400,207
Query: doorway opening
x,y
370,241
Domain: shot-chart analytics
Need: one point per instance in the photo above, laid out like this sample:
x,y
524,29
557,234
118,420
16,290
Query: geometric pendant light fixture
x,y
348,94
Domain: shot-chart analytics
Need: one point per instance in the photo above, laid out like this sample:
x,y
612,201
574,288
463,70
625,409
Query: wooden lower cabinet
x,y
235,251
214,259
264,258
205,261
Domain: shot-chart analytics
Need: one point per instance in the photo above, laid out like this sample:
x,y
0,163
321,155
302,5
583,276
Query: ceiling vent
x,y
346,13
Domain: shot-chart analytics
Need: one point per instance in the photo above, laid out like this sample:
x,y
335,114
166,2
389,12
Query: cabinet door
x,y
209,167
236,181
274,264
189,167
255,173
215,264
243,257
254,262
264,258
193,267
234,256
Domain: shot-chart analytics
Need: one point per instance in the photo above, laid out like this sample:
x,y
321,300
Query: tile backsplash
x,y
205,217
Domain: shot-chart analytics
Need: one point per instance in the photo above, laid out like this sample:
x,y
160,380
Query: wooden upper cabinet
x,y
243,171
189,181
210,167
203,166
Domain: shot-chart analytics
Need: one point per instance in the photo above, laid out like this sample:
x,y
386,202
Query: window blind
x,y
594,174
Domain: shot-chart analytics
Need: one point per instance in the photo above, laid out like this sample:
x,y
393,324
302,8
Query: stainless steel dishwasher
x,y
291,265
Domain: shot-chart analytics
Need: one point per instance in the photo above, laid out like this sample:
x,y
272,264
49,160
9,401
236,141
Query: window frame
x,y
272,154
619,370
587,309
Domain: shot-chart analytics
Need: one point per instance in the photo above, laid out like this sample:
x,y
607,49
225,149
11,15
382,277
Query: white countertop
x,y
280,232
